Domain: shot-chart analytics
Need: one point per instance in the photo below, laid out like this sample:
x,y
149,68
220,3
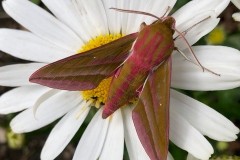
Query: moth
x,y
140,64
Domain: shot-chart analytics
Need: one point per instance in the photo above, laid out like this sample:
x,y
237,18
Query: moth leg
x,y
189,60
189,47
143,25
117,72
181,52
139,90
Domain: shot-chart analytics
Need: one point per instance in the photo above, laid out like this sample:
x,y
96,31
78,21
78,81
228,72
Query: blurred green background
x,y
28,146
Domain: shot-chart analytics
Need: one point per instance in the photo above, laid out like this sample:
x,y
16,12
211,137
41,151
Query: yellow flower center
x,y
100,93
217,36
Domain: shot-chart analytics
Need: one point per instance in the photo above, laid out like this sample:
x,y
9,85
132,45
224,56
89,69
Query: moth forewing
x,y
85,70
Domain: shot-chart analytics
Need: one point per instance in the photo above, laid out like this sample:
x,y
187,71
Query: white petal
x,y
64,131
42,23
96,15
71,14
236,3
170,157
20,98
236,16
194,12
114,142
113,17
134,146
157,8
191,157
85,19
47,95
25,45
52,109
206,22
125,4
188,138
222,60
135,20
18,74
193,8
92,140
203,118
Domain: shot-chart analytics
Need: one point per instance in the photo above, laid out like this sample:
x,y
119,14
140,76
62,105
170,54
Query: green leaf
x,y
36,1
233,41
226,157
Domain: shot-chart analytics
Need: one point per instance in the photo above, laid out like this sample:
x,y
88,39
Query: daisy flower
x,y
236,16
74,26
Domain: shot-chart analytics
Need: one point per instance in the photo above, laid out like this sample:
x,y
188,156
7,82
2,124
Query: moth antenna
x,y
168,9
136,12
189,60
189,47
